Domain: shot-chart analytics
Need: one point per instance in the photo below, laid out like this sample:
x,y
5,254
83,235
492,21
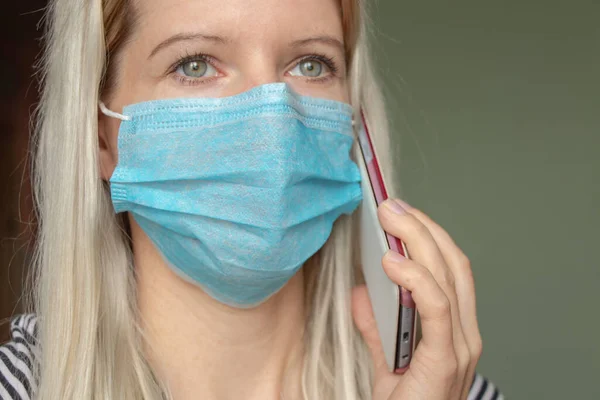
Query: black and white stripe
x,y
482,389
17,358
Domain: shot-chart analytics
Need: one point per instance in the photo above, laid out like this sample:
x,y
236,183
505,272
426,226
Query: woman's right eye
x,y
196,68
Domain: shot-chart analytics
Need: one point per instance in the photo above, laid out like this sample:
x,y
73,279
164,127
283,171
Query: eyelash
x,y
188,58
329,62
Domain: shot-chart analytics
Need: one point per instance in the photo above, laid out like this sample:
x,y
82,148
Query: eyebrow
x,y
184,37
327,40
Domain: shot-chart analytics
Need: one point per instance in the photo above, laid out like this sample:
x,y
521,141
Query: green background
x,y
495,114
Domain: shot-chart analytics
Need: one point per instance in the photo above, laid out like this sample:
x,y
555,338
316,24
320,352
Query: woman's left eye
x,y
196,69
310,68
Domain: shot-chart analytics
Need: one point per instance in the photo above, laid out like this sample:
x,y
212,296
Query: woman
x,y
192,157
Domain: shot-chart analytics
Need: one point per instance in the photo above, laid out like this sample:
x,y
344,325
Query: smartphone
x,y
394,309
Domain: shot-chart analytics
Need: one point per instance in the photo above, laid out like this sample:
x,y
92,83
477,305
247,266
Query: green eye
x,y
195,68
311,68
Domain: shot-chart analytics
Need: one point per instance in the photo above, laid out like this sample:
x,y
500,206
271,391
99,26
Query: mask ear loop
x,y
354,123
113,114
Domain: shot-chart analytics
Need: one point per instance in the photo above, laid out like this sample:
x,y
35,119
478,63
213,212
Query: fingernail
x,y
395,257
406,298
395,207
403,204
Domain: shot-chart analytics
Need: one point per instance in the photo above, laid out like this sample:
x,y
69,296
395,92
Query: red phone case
x,y
381,195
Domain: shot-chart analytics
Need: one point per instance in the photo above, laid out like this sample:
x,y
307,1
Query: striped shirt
x,y
17,358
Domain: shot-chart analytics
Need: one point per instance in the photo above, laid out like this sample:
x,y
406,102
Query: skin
x,y
202,348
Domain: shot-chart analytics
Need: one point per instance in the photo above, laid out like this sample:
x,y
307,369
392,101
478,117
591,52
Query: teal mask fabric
x,y
237,192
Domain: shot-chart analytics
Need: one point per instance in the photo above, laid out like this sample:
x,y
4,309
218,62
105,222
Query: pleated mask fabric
x,y
237,192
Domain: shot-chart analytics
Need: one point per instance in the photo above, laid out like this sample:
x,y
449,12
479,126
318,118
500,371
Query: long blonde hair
x,y
83,284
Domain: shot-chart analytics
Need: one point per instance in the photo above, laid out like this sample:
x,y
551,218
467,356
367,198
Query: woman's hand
x,y
440,279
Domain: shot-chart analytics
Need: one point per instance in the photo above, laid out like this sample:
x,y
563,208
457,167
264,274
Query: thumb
x,y
362,311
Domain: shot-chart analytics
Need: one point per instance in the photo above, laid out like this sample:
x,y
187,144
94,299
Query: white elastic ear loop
x,y
113,114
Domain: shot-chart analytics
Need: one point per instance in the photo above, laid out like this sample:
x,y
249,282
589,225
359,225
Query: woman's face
x,y
217,48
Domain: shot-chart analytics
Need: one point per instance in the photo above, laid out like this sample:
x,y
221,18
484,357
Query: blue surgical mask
x,y
237,192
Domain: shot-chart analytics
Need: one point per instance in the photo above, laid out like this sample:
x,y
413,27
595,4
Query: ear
x,y
107,145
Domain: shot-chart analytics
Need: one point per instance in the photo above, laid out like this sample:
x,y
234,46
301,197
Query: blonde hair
x,y
84,289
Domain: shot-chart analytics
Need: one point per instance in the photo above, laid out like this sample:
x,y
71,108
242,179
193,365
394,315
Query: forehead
x,y
242,20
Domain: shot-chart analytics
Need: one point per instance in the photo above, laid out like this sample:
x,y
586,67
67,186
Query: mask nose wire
x,y
113,114
122,117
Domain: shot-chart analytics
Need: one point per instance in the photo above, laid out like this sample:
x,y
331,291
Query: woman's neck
x,y
201,348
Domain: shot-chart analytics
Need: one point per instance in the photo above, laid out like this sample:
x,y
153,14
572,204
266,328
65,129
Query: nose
x,y
258,69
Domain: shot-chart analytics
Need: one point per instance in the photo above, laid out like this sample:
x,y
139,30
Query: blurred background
x,y
496,117
19,41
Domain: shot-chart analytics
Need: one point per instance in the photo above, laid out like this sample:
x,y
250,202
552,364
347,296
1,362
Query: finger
x,y
431,301
421,245
362,311
424,249
460,266
465,289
